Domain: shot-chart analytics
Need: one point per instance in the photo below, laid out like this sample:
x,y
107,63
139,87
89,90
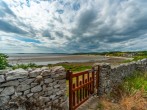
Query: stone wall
x,y
110,77
33,89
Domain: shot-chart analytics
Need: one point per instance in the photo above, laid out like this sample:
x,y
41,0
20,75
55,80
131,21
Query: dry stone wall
x,y
110,77
33,89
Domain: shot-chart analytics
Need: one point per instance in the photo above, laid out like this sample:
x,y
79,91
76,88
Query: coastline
x,y
61,59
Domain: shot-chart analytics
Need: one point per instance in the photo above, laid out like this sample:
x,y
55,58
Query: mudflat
x,y
44,59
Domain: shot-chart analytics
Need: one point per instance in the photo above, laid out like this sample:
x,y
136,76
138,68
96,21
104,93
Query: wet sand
x,y
54,59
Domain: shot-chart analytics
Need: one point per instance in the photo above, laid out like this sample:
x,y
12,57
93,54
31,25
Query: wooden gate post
x,y
70,91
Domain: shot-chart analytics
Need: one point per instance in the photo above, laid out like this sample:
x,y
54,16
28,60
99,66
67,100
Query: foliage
x,y
135,82
3,61
25,66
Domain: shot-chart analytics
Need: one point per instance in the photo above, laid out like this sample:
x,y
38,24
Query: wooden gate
x,y
81,87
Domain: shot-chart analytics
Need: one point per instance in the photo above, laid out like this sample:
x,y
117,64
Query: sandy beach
x,y
44,59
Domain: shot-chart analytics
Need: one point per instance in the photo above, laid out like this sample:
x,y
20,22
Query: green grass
x,y
73,67
137,81
25,66
135,58
139,57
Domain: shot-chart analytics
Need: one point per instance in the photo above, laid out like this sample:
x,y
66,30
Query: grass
x,y
136,82
73,67
25,66
130,95
135,58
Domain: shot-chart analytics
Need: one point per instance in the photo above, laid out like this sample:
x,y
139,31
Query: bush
x,y
25,66
3,61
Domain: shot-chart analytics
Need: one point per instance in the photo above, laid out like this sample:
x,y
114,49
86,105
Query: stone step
x,y
90,104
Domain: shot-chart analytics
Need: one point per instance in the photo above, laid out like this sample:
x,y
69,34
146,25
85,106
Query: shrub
x,y
3,61
25,66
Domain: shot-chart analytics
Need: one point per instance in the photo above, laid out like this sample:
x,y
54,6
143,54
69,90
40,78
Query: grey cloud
x,y
5,9
59,34
7,27
95,25
46,33
133,26
85,21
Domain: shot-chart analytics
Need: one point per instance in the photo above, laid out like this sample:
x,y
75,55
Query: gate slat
x,y
82,88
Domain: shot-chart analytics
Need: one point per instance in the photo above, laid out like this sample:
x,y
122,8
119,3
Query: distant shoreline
x,y
53,59
45,59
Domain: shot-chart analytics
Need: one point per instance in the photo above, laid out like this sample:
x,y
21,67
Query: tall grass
x,y
135,82
130,95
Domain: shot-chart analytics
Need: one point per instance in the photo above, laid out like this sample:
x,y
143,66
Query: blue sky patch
x,y
28,40
60,11
76,6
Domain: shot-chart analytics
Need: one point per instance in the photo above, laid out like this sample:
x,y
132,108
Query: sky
x,y
71,26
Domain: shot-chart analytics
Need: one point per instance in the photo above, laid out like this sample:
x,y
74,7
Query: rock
x,y
65,105
27,92
62,81
2,72
16,74
44,99
49,88
18,93
21,80
23,87
2,79
35,73
1,89
22,107
57,68
45,68
59,93
51,84
48,80
4,99
29,69
10,83
36,88
55,82
55,90
33,84
60,77
49,108
29,95
48,93
52,97
28,81
7,91
46,73
39,79
41,93
57,86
